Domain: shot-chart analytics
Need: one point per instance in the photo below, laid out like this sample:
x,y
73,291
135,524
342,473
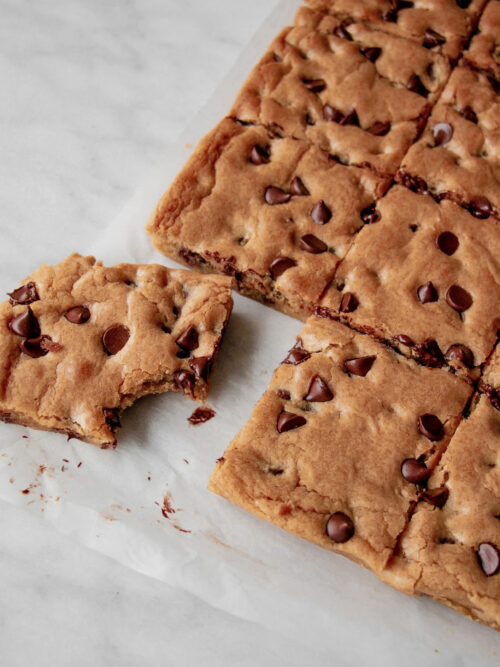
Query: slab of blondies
x,y
80,342
338,449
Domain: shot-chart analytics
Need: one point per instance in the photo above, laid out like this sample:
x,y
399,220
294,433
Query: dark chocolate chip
x,y
115,338
427,293
489,558
36,347
321,214
435,497
201,367
339,527
274,196
341,32
404,340
331,114
432,39
259,155
112,418
297,354
24,295
188,339
77,314
390,16
463,4
313,244
185,381
359,366
318,391
201,415
379,128
447,242
431,427
469,114
297,188
442,133
370,215
288,421
350,118
349,303
314,85
458,298
480,207
371,52
460,353
413,183
309,121
280,265
416,86
25,324
429,353
414,471
284,394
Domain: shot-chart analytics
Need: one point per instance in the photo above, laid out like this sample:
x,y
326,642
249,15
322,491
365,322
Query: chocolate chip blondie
x,y
80,342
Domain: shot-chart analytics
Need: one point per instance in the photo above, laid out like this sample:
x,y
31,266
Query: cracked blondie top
x,y
80,342
337,449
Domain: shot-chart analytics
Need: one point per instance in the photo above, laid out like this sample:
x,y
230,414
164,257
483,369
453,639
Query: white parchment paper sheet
x,y
112,501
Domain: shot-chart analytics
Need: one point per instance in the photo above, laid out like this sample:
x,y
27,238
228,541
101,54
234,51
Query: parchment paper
x,y
146,504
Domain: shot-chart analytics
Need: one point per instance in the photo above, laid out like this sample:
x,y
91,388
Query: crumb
x,y
201,415
186,461
25,491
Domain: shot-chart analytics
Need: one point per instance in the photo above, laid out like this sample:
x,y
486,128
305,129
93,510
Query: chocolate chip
x,y
432,39
36,347
339,527
458,298
188,339
480,207
350,119
259,155
442,133
489,558
341,32
460,353
371,52
280,265
370,215
309,121
274,196
469,114
297,188
313,244
390,16
297,354
185,381
201,415
284,394
431,427
416,86
321,214
314,85
447,242
414,471
288,421
427,293
349,303
112,418
25,324
201,367
404,340
318,391
331,114
24,295
435,497
429,353
77,314
379,128
359,366
115,338
463,4
413,183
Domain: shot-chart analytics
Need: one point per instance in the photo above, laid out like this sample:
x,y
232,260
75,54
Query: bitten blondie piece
x,y
358,93
489,383
484,49
458,156
338,445
451,548
80,342
426,278
438,25
276,213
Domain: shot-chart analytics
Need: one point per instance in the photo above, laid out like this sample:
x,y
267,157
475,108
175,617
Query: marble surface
x,y
92,92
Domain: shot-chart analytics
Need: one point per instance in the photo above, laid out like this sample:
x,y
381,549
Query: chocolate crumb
x,y
201,415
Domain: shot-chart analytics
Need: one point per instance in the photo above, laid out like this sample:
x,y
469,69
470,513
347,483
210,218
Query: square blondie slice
x,y
458,155
451,547
338,445
484,49
358,93
276,213
80,342
438,25
425,278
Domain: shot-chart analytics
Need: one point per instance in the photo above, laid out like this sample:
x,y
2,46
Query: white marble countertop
x,y
92,91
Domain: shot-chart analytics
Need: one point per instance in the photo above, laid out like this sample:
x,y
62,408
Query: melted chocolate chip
x,y
463,4
432,39
284,394
313,244
370,215
431,427
297,188
331,114
429,353
318,391
288,421
201,367
458,298
469,114
413,183
201,415
280,265
359,366
442,133
341,32
349,303
77,314
188,339
339,527
447,242
489,558
414,471
321,214
24,295
460,353
25,324
275,196
350,118
427,293
371,52
435,497
36,347
390,16
379,128
416,86
115,338
112,418
480,207
185,381
259,155
314,85
296,355
404,340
